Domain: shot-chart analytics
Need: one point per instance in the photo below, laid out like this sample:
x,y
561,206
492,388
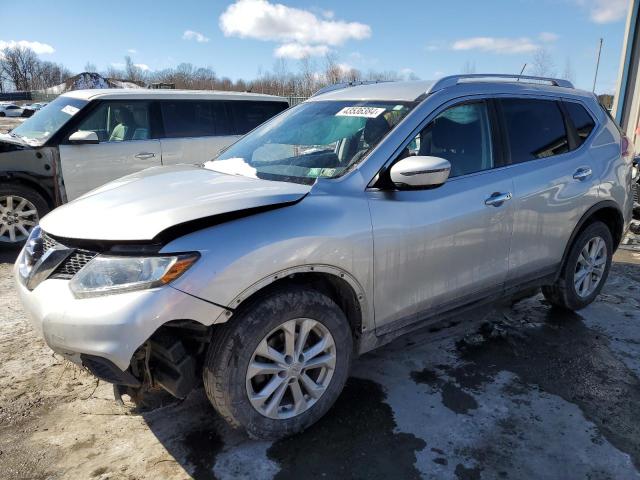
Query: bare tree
x,y
19,65
469,67
308,76
132,72
23,70
568,73
543,64
332,71
90,67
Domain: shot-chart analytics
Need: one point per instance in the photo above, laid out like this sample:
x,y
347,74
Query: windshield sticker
x,y
70,110
366,112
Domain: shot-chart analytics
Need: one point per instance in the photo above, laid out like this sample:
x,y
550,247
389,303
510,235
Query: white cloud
x,y
193,35
262,20
605,11
37,47
548,37
142,66
496,45
298,51
132,51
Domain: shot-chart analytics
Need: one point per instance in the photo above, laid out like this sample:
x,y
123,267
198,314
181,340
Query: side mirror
x,y
84,137
420,172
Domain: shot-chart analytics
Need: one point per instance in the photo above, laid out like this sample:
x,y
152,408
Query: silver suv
x,y
359,215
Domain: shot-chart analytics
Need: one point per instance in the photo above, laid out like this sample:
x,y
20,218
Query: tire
x,y
564,293
227,378
11,198
2,114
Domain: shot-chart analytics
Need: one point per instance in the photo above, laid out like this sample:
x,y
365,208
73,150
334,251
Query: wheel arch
x,y
609,213
334,282
27,181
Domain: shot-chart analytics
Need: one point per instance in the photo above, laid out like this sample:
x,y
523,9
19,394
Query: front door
x,y
126,146
437,248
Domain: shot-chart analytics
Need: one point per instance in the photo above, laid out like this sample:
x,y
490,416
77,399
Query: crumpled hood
x,y
11,144
140,206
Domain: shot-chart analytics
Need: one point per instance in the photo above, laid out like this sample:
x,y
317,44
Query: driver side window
x,y
462,135
118,121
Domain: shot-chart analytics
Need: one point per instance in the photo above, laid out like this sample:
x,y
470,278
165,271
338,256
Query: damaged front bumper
x,y
110,327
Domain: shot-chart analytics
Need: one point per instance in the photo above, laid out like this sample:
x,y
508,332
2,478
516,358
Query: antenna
x,y
521,72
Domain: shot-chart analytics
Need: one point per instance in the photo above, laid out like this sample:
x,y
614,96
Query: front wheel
x,y
20,211
279,365
585,270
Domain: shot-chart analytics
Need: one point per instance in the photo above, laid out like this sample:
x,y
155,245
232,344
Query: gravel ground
x,y
517,392
7,123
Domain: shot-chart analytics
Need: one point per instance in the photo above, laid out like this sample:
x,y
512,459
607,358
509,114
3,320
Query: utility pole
x,y
595,77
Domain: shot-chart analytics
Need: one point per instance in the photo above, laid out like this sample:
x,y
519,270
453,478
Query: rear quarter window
x,y
248,115
535,128
582,120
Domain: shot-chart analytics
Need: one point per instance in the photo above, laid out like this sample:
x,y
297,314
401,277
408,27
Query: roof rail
x,y
340,86
497,77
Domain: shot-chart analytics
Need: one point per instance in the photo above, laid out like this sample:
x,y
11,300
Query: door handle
x,y
582,173
496,199
145,155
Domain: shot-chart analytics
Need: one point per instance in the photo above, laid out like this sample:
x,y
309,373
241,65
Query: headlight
x,y
105,275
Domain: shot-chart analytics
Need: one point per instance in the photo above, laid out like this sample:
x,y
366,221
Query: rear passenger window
x,y
535,129
248,114
186,118
581,120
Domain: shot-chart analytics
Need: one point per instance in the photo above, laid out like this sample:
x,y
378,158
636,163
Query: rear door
x,y
194,130
127,145
553,179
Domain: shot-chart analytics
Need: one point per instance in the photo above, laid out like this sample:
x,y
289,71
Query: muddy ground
x,y
519,392
8,123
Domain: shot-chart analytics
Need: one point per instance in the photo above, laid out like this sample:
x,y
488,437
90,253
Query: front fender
x,y
319,234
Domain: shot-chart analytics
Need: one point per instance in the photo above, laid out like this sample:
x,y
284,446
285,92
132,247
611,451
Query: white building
x,y
626,105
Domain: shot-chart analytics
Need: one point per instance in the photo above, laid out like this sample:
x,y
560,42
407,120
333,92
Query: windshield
x,y
42,125
312,140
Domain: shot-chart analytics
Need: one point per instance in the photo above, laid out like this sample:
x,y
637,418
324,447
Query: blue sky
x,y
240,38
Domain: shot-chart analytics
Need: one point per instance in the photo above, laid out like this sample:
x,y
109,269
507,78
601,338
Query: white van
x,y
86,138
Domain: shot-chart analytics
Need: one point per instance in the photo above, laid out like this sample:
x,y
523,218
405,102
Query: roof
x,y
410,91
161,94
398,91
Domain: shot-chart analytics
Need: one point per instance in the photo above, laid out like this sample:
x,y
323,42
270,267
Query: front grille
x,y
71,265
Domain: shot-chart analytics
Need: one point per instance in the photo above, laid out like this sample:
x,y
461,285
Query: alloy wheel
x,y
18,216
291,368
590,267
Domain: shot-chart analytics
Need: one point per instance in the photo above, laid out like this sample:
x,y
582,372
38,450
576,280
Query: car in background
x,y
11,110
86,138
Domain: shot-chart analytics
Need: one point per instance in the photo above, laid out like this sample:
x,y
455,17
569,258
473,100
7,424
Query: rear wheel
x,y
585,270
278,366
20,211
